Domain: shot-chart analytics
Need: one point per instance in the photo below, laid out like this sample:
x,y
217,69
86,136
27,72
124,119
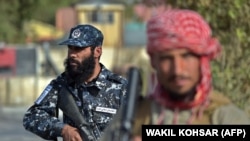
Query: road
x,y
11,128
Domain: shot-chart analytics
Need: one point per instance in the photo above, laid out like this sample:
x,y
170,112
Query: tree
x,y
15,13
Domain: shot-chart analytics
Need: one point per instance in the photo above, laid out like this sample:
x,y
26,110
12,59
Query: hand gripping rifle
x,y
120,129
68,106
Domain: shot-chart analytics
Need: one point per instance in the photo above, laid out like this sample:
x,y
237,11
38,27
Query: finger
x,y
78,137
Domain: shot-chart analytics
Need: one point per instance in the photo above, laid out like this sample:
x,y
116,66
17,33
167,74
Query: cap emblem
x,y
76,33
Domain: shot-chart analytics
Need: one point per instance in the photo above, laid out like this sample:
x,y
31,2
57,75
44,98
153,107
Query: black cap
x,y
84,36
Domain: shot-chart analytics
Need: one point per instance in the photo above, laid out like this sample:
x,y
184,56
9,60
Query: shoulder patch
x,y
44,94
117,79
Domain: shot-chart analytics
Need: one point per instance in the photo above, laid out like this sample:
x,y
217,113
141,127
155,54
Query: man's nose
x,y
72,53
178,66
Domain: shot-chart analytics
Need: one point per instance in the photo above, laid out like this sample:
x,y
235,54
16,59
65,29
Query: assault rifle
x,y
120,129
68,106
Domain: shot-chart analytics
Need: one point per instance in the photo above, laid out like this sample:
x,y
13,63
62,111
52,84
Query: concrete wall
x,y
21,90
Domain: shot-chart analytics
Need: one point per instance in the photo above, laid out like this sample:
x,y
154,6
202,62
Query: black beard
x,y
82,72
188,96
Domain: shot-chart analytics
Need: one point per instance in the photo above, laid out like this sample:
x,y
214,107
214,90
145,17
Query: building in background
x,y
105,15
31,68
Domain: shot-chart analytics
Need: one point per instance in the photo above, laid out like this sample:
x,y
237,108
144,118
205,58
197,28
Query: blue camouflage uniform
x,y
110,88
97,101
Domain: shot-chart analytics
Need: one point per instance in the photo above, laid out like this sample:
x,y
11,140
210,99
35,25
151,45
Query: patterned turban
x,y
183,29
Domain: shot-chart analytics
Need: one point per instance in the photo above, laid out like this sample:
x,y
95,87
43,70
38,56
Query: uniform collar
x,y
100,81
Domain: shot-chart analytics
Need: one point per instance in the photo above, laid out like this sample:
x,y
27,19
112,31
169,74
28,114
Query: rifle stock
x,y
68,106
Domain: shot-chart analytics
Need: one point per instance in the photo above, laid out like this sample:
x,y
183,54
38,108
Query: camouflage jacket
x,y
108,91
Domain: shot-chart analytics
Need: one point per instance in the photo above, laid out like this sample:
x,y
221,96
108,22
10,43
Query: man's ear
x,y
98,52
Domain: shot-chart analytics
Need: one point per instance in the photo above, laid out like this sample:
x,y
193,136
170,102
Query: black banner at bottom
x,y
196,132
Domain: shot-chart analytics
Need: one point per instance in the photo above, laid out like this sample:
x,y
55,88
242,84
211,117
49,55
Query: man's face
x,y
178,70
80,63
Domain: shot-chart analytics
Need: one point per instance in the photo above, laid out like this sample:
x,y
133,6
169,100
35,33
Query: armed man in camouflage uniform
x,y
97,91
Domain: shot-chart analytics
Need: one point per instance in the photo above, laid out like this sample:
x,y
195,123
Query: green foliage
x,y
14,13
229,20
